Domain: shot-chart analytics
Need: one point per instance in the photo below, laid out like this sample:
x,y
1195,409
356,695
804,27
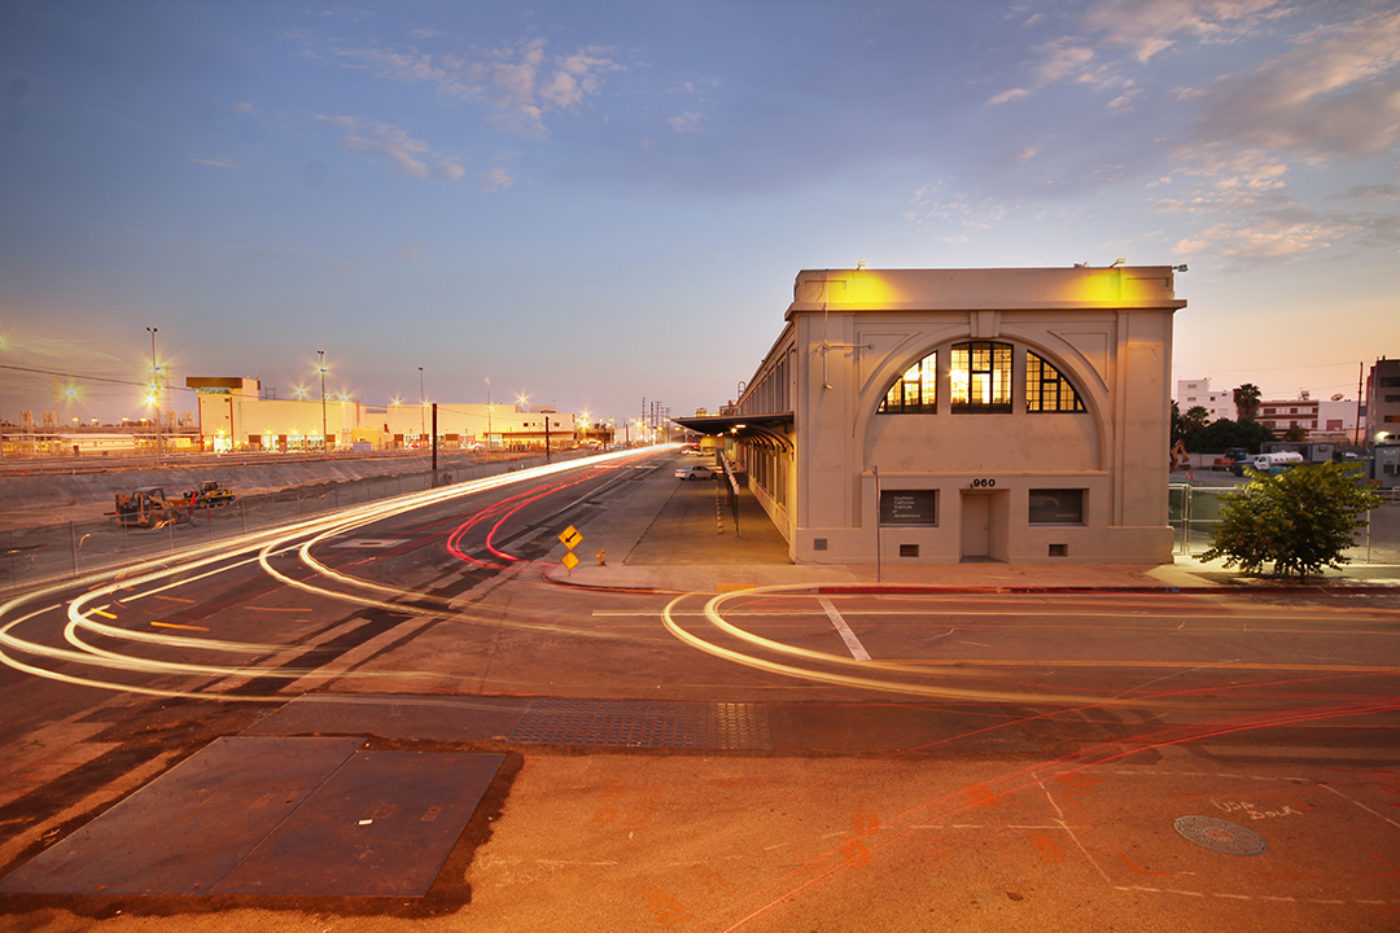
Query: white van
x,y
1276,462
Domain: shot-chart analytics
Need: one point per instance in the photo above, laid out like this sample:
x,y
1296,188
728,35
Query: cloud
x,y
524,82
687,122
389,143
1230,181
216,163
1149,27
1145,28
410,251
495,180
1269,236
1369,193
930,206
1288,233
243,106
1335,94
1065,59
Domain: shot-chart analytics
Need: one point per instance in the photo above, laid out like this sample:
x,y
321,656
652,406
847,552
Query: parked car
x,y
695,472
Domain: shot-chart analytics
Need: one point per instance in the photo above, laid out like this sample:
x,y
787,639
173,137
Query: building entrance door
x,y
976,526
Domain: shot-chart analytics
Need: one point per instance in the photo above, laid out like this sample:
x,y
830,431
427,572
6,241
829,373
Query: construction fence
x,y
1195,513
71,549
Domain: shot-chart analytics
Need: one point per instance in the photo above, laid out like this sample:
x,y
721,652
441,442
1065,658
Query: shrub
x,y
1300,520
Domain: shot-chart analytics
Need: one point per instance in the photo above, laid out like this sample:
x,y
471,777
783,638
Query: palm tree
x,y
1196,417
1247,399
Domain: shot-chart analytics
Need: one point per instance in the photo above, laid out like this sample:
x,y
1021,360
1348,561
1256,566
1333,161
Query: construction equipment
x,y
210,492
1181,460
147,507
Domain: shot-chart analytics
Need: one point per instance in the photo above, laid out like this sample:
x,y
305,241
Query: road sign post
x,y
571,539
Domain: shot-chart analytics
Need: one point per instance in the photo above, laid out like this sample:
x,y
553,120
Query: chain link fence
x,y
1195,513
48,552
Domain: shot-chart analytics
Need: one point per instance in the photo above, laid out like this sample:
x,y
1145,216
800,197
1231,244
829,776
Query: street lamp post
x,y
155,394
422,404
489,445
321,368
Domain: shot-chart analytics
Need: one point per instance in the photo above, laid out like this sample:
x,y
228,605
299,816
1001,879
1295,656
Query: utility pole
x,y
155,395
321,368
422,404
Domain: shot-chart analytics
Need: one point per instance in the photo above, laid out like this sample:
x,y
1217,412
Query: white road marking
x,y
849,637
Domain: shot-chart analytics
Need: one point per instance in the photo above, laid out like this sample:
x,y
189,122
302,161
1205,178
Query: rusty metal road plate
x,y
189,827
274,816
382,825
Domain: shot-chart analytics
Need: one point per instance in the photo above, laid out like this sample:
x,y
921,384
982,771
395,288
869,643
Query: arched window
x,y
916,391
980,377
1047,389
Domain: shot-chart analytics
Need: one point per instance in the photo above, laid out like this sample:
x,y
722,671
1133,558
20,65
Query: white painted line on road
x,y
849,637
377,543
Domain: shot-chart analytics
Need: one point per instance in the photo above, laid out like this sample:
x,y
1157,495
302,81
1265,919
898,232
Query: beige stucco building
x,y
233,416
962,414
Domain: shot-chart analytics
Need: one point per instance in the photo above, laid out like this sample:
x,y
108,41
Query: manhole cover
x,y
1220,835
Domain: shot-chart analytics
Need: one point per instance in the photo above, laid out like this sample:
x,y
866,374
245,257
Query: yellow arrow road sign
x,y
570,537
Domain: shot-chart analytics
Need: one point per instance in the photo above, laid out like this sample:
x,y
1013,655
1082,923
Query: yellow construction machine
x,y
147,507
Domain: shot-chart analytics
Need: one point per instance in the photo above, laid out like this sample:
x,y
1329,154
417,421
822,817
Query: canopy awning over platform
x,y
768,430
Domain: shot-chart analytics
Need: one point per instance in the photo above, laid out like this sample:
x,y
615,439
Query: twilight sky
x,y
592,203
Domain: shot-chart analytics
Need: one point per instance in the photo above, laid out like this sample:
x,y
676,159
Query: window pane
x,y
1057,506
908,507
915,390
1046,389
980,376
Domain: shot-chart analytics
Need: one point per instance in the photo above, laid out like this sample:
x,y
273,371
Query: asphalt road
x,y
781,757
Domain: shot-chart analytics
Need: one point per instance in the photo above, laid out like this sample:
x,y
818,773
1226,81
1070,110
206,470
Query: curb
x,y
1232,587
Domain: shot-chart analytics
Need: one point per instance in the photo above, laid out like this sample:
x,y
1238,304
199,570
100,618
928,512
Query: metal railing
x,y
1195,512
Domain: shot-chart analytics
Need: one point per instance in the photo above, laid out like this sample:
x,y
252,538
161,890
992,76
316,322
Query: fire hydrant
x,y
602,558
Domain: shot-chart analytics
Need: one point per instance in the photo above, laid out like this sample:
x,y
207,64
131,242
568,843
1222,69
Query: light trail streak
x,y
153,577
961,667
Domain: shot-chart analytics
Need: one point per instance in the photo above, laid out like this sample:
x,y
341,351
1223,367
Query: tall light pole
x,y
321,368
155,394
489,445
422,403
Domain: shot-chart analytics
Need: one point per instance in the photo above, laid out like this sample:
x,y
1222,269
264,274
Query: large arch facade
x,y
1008,484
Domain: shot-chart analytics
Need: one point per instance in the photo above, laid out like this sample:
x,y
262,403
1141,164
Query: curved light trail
x,y
884,675
81,623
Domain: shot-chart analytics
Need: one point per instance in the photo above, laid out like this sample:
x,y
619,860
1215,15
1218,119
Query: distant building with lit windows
x,y
1280,414
964,414
1383,402
233,415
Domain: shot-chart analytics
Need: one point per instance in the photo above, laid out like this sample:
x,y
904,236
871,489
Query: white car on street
x,y
695,472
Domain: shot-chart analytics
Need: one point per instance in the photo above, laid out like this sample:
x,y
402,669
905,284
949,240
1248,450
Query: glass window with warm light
x,y
980,377
1048,390
916,391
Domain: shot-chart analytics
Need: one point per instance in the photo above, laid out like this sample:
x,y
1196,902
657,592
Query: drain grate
x,y
644,724
1220,835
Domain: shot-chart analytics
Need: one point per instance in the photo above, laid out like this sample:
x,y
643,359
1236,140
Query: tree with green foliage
x,y
1247,399
1219,436
1300,520
1196,418
1295,432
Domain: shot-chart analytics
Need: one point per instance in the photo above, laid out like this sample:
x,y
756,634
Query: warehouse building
x,y
964,414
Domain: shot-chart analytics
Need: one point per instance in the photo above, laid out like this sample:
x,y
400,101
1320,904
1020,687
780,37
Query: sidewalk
x,y
680,537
